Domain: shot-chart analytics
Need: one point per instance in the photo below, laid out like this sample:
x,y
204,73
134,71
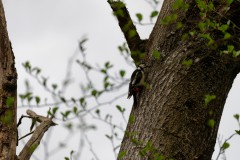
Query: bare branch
x,y
91,148
34,141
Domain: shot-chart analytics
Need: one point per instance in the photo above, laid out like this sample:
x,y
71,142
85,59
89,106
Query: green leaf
x,y
75,110
106,84
94,93
27,95
106,78
66,158
192,33
97,111
184,36
236,116
177,4
153,14
139,17
227,35
187,63
54,86
174,17
208,98
109,137
54,110
38,70
37,99
81,100
210,112
120,48
121,154
230,48
73,100
201,5
44,81
7,117
66,114
207,37
10,101
159,157
81,44
83,103
27,66
131,119
237,131
63,99
156,54
29,99
211,123
202,26
224,27
135,141
120,108
122,73
179,25
225,145
132,33
108,65
148,148
236,53
104,71
229,2
210,6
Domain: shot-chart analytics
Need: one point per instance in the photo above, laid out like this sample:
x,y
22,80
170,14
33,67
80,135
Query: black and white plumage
x,y
137,82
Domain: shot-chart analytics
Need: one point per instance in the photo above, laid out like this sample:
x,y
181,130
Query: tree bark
x,y
171,119
8,94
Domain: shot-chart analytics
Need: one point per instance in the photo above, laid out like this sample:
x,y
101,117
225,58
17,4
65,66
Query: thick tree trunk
x,y
171,118
8,94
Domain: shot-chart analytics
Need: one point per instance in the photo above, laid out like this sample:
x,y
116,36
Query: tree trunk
x,y
172,119
8,94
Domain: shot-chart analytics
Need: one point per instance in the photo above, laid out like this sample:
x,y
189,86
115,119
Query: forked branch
x,y
34,141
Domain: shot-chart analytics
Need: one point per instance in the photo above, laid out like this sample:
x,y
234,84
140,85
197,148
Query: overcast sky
x,y
46,33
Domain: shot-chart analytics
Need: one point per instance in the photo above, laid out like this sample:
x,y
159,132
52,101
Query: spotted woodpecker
x,y
137,83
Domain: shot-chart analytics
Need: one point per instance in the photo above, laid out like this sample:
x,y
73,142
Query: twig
x,y
103,103
26,135
91,148
222,149
112,141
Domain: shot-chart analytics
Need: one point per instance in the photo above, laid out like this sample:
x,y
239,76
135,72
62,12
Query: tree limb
x,y
34,141
135,44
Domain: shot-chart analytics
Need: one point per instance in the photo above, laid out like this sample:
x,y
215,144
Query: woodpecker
x,y
137,83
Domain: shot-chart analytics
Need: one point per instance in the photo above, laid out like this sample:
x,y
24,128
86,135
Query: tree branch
x,y
135,44
34,141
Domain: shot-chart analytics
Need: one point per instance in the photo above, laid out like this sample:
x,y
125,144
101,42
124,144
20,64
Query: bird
x,y
137,82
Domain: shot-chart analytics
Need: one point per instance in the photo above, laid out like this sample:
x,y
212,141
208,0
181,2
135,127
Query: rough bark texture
x,y
8,92
171,118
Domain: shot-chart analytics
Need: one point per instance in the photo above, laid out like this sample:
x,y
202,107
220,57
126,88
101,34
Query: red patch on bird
x,y
136,90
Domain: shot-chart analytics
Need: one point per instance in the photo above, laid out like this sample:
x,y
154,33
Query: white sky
x,y
46,32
